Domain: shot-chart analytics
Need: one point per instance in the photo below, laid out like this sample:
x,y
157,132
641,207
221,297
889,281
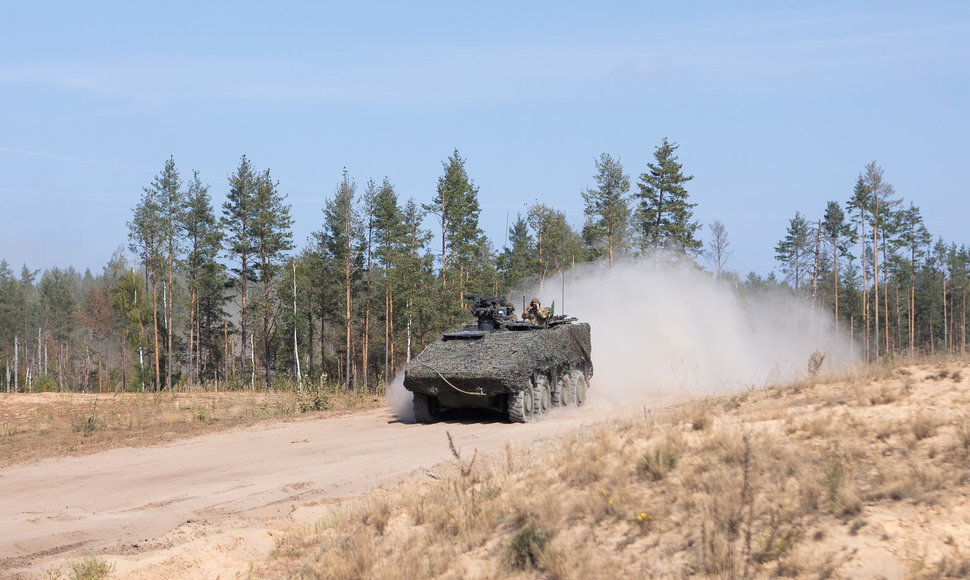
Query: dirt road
x,y
136,507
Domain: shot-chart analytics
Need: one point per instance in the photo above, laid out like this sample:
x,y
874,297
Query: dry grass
x,y
38,425
821,479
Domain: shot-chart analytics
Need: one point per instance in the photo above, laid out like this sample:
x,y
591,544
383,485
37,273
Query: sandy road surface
x,y
122,501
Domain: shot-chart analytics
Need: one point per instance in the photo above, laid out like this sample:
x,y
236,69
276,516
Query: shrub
x,y
90,568
527,547
656,464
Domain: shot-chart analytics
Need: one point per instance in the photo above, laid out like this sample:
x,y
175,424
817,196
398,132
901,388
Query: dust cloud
x,y
665,328
400,398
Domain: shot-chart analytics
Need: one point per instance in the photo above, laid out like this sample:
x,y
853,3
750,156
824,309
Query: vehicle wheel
x,y
578,380
561,394
426,409
543,396
521,405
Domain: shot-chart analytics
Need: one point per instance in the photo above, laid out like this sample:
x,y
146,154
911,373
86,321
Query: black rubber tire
x,y
522,405
579,385
562,394
426,409
543,396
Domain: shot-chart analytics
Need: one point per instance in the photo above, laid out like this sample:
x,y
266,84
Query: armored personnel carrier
x,y
516,367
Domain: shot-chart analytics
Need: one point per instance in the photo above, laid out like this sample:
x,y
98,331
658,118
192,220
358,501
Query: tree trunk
x,y
875,276
170,302
266,316
158,367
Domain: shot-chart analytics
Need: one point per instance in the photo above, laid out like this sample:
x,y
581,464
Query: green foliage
x,y
206,278
377,266
795,251
465,251
85,424
607,210
664,214
90,568
57,300
314,398
527,547
657,463
517,262
44,384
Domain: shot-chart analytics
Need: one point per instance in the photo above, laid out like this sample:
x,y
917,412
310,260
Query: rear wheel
x,y
579,385
543,395
426,409
522,405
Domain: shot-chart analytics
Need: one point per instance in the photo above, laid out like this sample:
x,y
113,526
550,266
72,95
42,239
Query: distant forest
x,y
219,296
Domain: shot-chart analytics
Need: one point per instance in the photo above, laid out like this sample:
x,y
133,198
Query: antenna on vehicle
x,y
562,302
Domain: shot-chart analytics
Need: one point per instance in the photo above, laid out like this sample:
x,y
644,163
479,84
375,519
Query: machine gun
x,y
491,312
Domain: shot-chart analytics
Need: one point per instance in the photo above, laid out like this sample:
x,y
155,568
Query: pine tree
x,y
390,243
556,243
882,201
607,210
916,239
421,296
838,235
168,188
456,205
516,263
664,214
794,251
239,223
860,204
206,276
272,238
341,246
146,232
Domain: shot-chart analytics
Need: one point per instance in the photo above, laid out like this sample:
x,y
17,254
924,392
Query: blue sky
x,y
777,107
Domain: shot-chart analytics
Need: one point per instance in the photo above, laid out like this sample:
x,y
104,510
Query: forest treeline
x,y
216,295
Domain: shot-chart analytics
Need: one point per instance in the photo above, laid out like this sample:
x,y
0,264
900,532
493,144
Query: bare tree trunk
x,y
444,222
296,347
387,333
946,336
865,283
169,303
158,367
835,269
193,357
875,274
349,329
818,249
100,353
266,316
242,336
365,346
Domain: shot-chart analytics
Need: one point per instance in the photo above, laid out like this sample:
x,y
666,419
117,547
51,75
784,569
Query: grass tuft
x,y
90,568
527,547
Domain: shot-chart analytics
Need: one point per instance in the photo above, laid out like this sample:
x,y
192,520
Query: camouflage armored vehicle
x,y
515,367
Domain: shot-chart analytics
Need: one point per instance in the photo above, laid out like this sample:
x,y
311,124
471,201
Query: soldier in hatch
x,y
535,313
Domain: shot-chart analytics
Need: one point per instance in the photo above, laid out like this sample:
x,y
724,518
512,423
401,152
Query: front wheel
x,y
426,409
522,405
